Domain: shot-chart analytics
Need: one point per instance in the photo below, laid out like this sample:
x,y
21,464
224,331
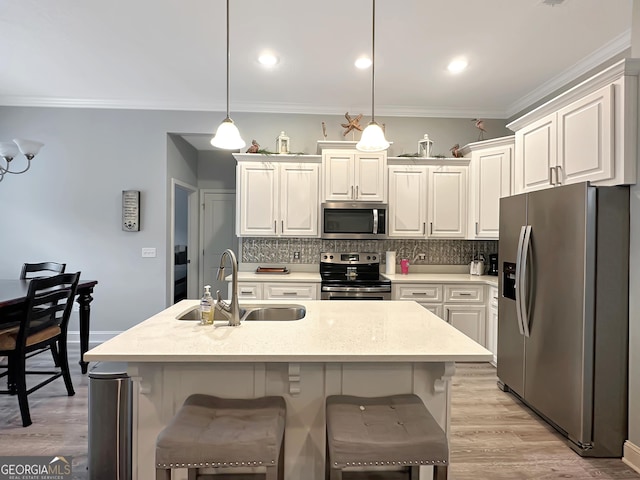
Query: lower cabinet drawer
x,y
419,292
248,291
303,291
464,293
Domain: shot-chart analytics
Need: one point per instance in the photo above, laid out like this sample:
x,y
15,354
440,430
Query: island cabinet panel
x,y
162,388
349,175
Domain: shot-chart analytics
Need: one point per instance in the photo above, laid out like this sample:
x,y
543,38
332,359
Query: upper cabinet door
x,y
299,200
490,180
447,217
585,138
369,175
354,176
257,194
407,201
338,176
536,154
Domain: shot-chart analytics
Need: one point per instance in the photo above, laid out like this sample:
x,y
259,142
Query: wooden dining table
x,y
13,297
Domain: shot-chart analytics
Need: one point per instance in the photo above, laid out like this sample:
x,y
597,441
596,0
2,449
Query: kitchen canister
x,y
390,268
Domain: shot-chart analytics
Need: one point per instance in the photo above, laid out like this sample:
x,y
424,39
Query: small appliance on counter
x,y
476,267
493,265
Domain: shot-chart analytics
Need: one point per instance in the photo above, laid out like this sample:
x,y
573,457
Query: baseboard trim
x,y
631,455
95,338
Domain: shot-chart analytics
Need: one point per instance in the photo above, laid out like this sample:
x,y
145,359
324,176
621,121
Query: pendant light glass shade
x,y
372,139
228,136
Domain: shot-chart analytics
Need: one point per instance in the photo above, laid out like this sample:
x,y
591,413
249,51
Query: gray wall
x,y
67,208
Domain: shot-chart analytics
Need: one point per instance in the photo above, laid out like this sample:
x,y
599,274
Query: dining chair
x,y
43,324
33,270
29,269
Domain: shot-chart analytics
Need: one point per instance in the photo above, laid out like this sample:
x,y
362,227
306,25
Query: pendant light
x,y
372,139
227,136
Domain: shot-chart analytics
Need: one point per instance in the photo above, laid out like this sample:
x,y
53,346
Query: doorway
x,y
183,264
218,233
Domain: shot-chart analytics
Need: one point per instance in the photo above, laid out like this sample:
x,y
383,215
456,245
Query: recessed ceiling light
x,y
363,62
268,59
457,65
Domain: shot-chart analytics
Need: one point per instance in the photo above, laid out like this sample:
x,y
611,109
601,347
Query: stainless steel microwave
x,y
354,220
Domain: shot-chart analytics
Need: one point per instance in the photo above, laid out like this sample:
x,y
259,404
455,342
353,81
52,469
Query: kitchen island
x,y
364,348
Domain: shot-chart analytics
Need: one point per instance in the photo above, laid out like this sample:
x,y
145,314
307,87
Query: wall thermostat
x,y
131,210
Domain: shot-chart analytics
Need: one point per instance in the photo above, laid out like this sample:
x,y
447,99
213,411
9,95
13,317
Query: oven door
x,y
333,292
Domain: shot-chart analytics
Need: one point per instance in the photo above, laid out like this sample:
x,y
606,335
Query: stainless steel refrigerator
x,y
563,310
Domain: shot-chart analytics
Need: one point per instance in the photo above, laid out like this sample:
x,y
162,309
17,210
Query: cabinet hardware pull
x,y
558,173
476,228
289,293
551,175
352,192
357,186
282,224
430,228
275,226
464,294
419,293
245,292
424,228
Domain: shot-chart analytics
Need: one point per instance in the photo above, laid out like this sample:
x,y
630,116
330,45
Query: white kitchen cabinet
x,y
469,319
290,291
277,291
492,323
428,295
447,202
277,199
349,175
407,201
490,179
588,133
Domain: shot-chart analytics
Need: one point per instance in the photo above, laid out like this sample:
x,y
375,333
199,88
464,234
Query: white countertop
x,y
397,278
442,278
345,331
277,277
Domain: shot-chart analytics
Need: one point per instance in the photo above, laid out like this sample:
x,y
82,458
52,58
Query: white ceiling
x,y
169,54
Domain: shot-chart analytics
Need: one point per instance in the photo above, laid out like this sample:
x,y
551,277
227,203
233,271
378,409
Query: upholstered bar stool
x,y
210,432
380,433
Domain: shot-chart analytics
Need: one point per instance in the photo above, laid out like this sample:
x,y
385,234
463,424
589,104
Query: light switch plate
x,y
148,252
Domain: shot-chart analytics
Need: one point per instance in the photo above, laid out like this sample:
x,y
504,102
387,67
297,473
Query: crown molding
x,y
616,46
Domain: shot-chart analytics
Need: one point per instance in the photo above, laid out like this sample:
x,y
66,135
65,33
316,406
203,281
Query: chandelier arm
x,y
20,171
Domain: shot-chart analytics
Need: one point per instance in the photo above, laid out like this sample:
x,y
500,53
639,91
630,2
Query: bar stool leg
x,y
440,472
414,473
192,474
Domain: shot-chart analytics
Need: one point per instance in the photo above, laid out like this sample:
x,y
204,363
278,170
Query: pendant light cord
x,y
228,59
373,61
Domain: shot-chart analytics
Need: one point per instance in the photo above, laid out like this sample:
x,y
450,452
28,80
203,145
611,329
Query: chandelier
x,y
10,150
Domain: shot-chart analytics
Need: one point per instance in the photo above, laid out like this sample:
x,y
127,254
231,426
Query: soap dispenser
x,y
206,307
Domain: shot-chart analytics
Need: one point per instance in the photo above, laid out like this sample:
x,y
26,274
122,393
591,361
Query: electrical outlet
x,y
296,255
421,256
148,252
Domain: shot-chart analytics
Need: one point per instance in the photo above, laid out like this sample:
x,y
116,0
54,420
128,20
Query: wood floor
x,y
493,436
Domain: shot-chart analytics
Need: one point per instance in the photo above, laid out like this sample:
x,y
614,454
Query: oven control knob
x,y
368,257
324,257
374,257
331,257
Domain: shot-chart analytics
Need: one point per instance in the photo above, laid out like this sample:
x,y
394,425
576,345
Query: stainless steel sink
x,y
267,313
275,313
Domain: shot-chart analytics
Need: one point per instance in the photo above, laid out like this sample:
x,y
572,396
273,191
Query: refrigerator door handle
x,y
524,302
518,291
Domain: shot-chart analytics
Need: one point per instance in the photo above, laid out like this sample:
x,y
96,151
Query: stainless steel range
x,y
353,276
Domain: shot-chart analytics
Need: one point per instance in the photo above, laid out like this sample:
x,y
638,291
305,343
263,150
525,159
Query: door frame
x,y
193,240
203,192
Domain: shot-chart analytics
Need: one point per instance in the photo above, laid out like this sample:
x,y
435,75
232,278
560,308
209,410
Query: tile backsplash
x,y
437,252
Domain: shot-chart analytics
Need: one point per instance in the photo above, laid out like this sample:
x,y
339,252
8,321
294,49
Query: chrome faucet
x,y
230,311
